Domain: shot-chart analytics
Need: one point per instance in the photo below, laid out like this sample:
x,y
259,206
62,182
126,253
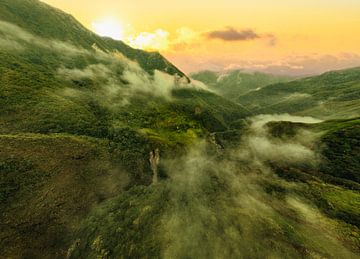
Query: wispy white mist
x,y
260,146
219,206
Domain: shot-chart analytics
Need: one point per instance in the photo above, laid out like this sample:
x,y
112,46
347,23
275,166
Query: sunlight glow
x,y
158,40
109,27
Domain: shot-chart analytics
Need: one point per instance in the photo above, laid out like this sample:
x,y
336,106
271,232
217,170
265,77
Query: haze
x,y
281,37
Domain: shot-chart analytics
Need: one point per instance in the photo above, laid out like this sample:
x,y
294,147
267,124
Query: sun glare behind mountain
x,y
151,41
109,27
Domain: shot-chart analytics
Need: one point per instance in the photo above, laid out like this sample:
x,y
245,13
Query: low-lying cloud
x,y
110,77
295,65
17,39
218,203
118,79
219,208
115,88
261,147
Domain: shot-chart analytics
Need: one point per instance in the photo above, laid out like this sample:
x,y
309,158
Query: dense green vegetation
x,y
48,183
79,119
235,83
333,95
334,184
51,23
338,143
184,216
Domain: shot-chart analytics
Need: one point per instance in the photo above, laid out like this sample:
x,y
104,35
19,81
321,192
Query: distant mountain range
x,y
112,152
331,95
235,83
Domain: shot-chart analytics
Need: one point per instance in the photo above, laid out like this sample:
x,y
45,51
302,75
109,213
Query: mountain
x,y
329,96
108,152
236,83
55,74
79,116
50,23
302,199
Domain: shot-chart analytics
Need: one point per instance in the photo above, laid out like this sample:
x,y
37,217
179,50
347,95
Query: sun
x,y
109,27
157,40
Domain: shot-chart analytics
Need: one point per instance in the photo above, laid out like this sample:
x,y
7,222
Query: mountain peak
x,y
48,22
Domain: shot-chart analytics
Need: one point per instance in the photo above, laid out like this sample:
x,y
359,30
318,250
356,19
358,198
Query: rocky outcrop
x,y
154,163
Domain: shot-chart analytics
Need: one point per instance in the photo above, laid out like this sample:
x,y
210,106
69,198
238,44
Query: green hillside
x,y
106,153
331,95
48,183
67,103
236,83
254,214
50,23
53,80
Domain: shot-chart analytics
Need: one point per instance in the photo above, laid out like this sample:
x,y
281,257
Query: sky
x,y
297,37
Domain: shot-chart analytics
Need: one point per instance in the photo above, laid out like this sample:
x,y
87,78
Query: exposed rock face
x,y
213,140
154,162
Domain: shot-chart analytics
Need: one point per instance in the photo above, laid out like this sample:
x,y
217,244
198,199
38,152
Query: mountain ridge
x,y
330,95
102,157
65,27
234,83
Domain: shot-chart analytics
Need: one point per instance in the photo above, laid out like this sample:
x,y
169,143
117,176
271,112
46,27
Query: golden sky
x,y
280,36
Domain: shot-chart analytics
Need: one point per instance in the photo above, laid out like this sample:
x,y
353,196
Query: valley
x,y
107,151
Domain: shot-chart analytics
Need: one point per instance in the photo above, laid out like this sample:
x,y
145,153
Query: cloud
x,y
216,204
112,79
293,65
17,39
231,34
9,44
185,39
220,208
117,80
115,77
157,40
162,40
91,71
261,147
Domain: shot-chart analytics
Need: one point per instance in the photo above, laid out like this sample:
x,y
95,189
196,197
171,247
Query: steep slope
x,y
235,83
54,80
79,128
339,145
50,23
48,183
78,121
333,185
271,195
331,95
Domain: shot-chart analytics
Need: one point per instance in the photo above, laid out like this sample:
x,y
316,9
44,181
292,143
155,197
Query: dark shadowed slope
x,y
101,157
78,121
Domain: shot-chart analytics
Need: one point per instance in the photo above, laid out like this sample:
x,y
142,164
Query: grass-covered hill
x,y
55,80
48,183
235,83
104,153
230,205
334,185
79,116
339,145
334,94
50,23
